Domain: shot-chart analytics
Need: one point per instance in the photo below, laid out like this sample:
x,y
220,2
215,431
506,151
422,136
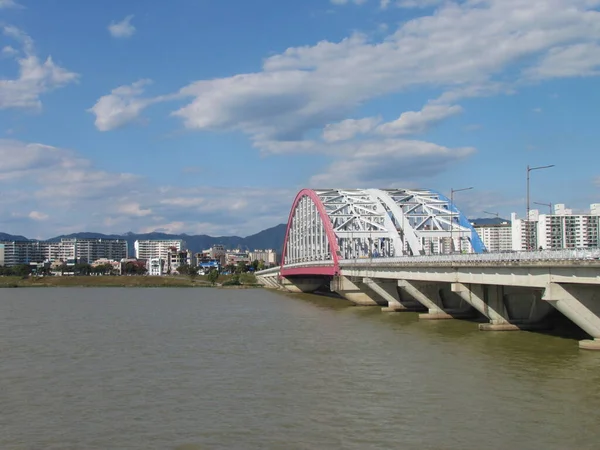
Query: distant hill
x,y
11,237
269,238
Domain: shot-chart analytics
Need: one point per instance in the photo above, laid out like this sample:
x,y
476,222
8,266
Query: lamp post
x,y
549,205
527,233
452,191
497,216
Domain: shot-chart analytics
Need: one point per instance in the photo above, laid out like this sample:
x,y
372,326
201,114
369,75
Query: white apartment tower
x,y
157,248
496,234
560,230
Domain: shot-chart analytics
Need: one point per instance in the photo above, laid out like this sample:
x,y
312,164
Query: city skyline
x,y
208,118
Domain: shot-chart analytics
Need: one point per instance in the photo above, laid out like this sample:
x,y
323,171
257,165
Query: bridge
x,y
413,250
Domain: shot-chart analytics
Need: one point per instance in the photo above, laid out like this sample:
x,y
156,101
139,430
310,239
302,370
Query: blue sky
x,y
205,116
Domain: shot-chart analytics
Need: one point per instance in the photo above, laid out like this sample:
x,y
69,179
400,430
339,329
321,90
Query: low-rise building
x,y
178,258
156,266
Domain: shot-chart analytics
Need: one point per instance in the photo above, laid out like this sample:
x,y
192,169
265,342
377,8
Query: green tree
x,y
22,270
213,276
261,265
82,269
241,267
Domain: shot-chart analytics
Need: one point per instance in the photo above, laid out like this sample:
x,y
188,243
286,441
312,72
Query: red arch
x,y
331,237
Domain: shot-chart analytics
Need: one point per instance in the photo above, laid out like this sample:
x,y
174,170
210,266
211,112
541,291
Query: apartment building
x,y
496,234
157,248
560,230
269,256
89,250
22,252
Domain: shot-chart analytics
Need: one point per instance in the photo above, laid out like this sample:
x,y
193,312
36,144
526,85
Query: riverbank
x,y
116,281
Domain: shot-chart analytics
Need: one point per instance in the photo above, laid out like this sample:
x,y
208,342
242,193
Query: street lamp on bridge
x,y
528,231
452,191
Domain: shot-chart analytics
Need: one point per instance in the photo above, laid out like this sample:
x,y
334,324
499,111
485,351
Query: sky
x,y
208,116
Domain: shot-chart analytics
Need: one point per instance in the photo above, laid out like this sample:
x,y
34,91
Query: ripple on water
x,y
251,369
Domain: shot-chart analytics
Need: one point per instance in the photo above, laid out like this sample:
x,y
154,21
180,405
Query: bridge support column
x,y
388,290
428,295
301,284
270,282
581,304
354,291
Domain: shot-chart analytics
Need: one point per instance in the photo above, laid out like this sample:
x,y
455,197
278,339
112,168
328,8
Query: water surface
x,y
254,369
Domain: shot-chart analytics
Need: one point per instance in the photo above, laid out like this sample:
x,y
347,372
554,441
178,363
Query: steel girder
x,y
375,223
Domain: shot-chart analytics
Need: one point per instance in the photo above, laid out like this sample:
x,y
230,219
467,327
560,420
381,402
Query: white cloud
x,y
413,122
134,209
344,2
35,77
8,50
36,215
121,106
577,60
9,4
122,29
37,178
349,128
388,162
461,48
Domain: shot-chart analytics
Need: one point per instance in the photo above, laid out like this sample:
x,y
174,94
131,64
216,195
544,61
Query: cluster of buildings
x,y
558,229
159,257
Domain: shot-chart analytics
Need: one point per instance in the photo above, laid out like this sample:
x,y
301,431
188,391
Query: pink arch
x,y
331,237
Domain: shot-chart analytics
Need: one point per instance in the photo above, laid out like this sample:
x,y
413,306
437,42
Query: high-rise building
x,y
22,252
90,250
560,230
269,257
495,233
157,248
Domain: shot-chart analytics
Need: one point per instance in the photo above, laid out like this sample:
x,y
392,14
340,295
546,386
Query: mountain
x,y
11,237
269,238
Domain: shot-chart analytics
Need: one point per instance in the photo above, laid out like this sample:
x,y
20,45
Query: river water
x,y
88,369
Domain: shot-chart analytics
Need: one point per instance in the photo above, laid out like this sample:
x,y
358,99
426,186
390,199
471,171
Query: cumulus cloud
x,y
577,60
388,162
349,128
35,78
460,48
37,215
122,106
37,178
122,29
413,122
463,48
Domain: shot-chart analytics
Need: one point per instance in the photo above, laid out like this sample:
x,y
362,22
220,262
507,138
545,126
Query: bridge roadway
x,y
514,291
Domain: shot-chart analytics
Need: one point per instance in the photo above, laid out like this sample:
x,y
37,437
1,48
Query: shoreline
x,y
117,282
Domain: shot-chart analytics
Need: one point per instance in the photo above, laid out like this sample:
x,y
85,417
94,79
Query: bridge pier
x,y
298,284
506,311
355,291
388,290
428,294
581,304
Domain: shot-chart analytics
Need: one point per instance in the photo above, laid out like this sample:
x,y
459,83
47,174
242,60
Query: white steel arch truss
x,y
374,223
307,238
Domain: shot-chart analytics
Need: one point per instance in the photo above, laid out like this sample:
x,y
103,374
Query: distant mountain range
x,y
269,238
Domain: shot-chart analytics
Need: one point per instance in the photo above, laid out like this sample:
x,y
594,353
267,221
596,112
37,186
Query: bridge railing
x,y
481,258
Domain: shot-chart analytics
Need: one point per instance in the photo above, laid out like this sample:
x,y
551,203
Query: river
x,y
87,369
